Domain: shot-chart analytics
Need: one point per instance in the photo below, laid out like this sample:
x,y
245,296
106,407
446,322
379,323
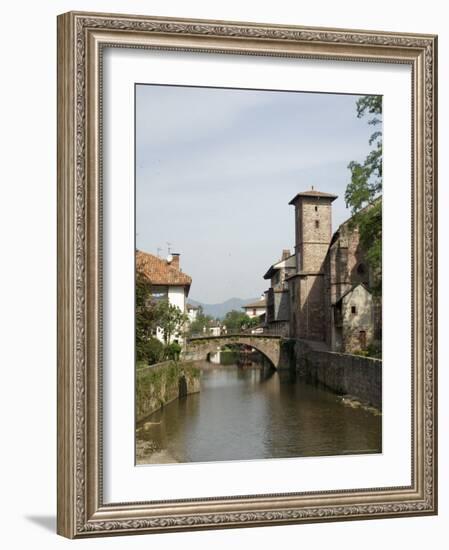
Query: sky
x,y
216,169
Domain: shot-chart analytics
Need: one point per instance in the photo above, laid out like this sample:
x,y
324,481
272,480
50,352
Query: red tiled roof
x,y
159,271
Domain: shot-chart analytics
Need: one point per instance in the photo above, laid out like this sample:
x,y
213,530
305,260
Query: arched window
x,y
361,269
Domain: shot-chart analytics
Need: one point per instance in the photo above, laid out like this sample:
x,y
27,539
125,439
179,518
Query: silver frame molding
x,y
81,38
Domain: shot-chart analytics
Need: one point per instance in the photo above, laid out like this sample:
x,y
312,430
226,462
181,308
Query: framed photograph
x,y
246,274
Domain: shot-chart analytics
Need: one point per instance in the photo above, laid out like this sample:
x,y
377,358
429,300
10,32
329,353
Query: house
x,y
167,280
353,319
214,329
192,312
256,309
277,300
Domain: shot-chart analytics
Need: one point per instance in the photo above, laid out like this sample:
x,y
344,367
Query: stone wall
x,y
314,232
158,385
357,318
281,305
342,373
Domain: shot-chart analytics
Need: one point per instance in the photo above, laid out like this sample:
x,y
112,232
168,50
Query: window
x,y
159,292
317,223
316,208
361,269
353,310
254,312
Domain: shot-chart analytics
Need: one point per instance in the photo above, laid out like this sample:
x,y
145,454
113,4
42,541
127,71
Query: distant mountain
x,y
219,310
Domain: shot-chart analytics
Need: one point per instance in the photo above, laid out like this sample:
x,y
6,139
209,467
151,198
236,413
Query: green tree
x,y
364,192
237,320
146,320
173,351
151,351
252,322
170,319
201,321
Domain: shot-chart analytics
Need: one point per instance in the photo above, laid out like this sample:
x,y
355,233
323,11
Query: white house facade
x,y
192,312
168,282
256,309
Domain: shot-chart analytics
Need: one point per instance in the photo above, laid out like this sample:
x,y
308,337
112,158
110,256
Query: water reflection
x,y
256,413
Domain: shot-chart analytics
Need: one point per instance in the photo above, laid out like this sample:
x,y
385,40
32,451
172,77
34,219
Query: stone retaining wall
x,y
157,385
342,373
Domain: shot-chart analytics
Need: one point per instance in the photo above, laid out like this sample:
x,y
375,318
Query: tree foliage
x,y
201,322
364,192
150,351
170,319
151,315
146,320
173,351
238,320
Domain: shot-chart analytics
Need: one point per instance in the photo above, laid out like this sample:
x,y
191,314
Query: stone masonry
x,y
199,348
330,297
313,223
342,373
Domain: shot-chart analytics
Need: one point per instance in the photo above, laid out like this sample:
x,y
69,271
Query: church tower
x,y
313,228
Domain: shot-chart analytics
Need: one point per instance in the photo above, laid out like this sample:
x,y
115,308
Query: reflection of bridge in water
x,y
198,348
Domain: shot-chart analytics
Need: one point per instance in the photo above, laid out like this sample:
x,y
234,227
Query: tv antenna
x,y
168,247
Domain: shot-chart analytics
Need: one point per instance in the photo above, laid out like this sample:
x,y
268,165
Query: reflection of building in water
x,y
325,288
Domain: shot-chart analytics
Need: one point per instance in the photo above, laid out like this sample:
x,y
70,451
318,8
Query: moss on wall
x,y
159,384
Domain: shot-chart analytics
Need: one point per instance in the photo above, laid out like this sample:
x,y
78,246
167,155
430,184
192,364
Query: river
x,y
254,413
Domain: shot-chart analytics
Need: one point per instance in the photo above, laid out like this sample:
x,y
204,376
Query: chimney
x,y
175,261
285,254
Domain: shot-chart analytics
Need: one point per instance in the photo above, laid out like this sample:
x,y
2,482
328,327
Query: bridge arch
x,y
199,348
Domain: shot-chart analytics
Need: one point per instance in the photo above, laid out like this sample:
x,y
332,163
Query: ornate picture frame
x,y
82,511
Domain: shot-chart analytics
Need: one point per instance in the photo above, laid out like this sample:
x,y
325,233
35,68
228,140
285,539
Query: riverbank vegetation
x,y
160,384
374,351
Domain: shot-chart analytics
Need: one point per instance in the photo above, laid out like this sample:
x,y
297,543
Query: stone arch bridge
x,y
199,347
